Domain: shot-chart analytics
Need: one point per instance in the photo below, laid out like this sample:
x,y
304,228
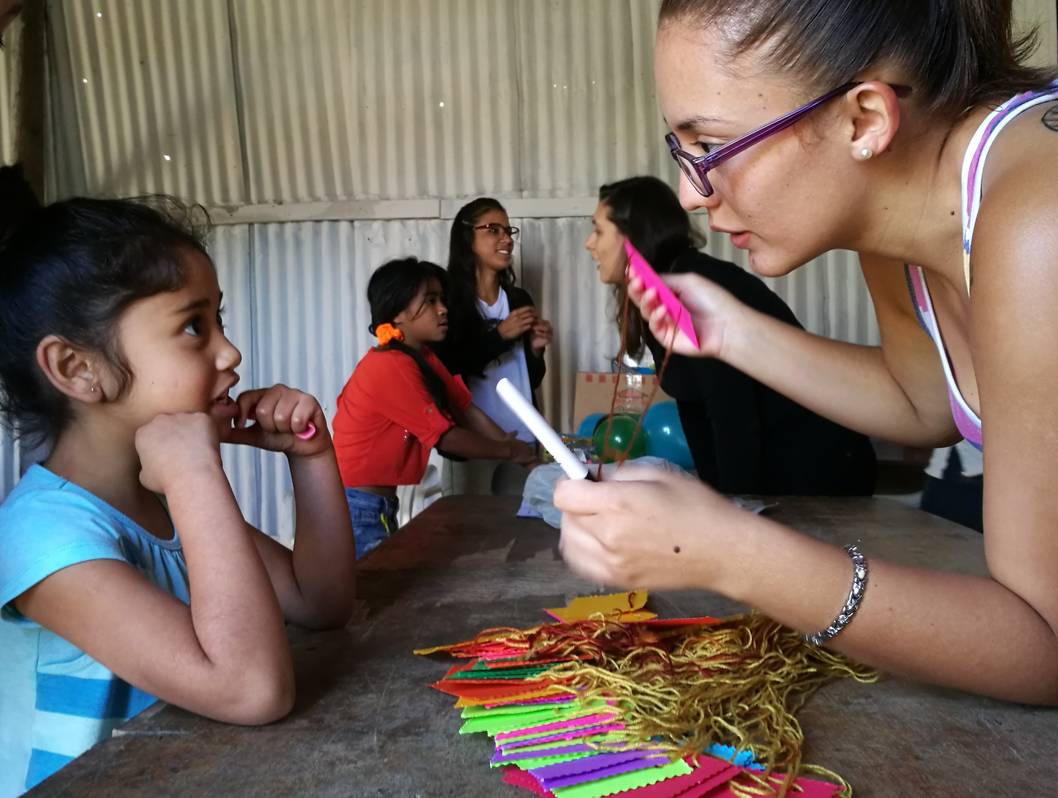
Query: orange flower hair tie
x,y
386,333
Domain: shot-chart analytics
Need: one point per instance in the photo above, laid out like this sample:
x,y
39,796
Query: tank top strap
x,y
977,152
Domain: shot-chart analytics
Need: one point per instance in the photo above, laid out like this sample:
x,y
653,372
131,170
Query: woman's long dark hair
x,y
648,213
393,286
465,322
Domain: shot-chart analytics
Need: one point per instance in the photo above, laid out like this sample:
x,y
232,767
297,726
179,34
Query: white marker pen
x,y
529,416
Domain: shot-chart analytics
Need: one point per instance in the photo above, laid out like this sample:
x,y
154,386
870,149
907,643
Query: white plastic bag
x,y
538,495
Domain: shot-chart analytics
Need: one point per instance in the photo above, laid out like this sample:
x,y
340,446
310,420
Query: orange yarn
x,y
386,333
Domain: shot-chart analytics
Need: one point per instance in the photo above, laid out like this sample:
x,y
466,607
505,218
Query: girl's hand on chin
x,y
645,527
175,445
272,418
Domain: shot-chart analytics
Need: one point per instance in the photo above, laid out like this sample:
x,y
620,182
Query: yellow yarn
x,y
737,682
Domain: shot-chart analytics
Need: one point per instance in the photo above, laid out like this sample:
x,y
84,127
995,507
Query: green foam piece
x,y
624,781
509,709
491,675
505,723
511,718
493,726
558,711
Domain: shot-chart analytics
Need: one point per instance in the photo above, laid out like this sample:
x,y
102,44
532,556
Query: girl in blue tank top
x,y
127,571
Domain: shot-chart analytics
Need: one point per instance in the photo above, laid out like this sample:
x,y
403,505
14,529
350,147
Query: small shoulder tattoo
x,y
1050,119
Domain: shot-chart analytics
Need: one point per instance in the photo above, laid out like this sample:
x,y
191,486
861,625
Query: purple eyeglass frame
x,y
696,167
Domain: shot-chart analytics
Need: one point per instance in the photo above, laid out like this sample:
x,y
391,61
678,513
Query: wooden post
x,y
29,140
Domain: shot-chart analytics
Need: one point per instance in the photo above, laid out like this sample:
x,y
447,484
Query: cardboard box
x,y
594,391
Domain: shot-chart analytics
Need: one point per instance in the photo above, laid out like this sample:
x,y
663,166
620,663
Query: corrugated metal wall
x,y
312,342
381,114
1042,14
8,78
145,99
9,450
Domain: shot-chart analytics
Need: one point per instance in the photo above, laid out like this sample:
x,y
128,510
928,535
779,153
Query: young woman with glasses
x,y
919,141
495,332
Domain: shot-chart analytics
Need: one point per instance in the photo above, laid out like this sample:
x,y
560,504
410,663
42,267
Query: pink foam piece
x,y
587,731
308,433
525,780
558,725
810,788
639,267
709,773
552,699
498,653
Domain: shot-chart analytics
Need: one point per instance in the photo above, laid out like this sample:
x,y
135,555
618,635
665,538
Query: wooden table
x,y
366,724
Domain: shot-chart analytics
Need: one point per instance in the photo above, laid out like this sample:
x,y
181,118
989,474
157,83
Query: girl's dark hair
x,y
393,286
956,54
466,324
71,269
648,213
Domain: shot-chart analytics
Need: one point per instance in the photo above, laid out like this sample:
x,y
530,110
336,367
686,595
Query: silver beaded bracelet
x,y
852,603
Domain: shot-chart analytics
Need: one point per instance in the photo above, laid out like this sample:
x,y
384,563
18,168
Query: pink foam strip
x,y
639,267
587,731
708,774
556,699
809,788
544,728
526,781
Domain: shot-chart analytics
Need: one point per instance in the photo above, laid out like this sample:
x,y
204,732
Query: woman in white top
x,y
495,331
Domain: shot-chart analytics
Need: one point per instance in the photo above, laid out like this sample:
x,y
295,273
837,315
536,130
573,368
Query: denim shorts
x,y
374,518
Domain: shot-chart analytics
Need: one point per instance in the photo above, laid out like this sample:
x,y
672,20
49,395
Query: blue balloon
x,y
588,425
665,438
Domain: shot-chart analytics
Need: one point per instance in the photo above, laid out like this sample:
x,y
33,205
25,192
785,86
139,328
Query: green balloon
x,y
613,439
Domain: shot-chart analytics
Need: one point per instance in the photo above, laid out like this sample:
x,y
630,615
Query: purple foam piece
x,y
639,763
591,763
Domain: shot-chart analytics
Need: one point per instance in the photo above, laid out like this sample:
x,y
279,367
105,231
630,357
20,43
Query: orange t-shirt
x,y
387,423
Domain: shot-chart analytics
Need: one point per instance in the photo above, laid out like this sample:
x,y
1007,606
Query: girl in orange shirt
x,y
400,402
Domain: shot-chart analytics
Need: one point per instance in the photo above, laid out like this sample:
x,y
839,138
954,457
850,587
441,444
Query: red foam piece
x,y
477,690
